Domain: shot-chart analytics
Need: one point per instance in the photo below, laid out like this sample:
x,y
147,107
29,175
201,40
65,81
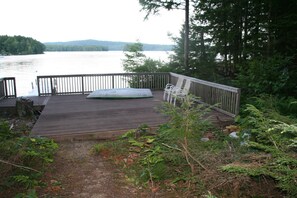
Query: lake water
x,y
26,68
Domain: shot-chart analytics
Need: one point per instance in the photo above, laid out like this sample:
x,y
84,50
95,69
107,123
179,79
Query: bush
x,y
273,137
23,159
276,75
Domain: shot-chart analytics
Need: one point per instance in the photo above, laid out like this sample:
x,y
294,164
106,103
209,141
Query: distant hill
x,y
95,45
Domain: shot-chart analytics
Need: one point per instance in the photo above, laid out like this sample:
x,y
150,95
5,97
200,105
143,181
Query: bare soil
x,y
76,172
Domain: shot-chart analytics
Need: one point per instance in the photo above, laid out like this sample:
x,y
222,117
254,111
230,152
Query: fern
x,y
276,138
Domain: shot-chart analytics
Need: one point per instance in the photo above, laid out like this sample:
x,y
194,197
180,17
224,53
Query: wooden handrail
x,y
86,83
223,98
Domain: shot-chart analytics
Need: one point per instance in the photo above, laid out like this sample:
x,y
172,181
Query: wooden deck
x,y
76,116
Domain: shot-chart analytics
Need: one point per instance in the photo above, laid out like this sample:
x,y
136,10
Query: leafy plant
x,y
30,194
5,132
23,159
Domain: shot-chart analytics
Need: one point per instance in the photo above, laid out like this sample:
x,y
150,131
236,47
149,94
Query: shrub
x,y
274,75
276,138
23,159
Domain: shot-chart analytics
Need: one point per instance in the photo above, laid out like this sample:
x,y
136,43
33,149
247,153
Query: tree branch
x,y
19,166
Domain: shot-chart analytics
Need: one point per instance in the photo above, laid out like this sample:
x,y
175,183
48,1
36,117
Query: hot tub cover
x,y
121,93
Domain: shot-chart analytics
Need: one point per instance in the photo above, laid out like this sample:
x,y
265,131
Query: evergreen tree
x,y
19,45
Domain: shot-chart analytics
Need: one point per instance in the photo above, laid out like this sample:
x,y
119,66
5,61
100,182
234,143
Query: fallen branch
x,y
171,147
187,153
19,166
194,158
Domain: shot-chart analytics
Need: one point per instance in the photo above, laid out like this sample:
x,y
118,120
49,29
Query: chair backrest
x,y
187,86
179,82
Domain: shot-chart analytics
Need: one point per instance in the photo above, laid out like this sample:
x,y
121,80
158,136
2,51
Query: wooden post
x,y
82,85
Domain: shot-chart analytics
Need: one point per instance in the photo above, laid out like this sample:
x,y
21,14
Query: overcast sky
x,y
66,20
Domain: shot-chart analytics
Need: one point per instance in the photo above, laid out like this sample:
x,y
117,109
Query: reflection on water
x,y
26,68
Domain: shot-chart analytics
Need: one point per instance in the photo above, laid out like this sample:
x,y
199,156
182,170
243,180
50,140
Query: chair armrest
x,y
169,86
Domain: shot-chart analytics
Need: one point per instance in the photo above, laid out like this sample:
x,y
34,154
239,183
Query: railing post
x,y
2,94
38,86
82,85
14,87
237,102
112,81
5,88
52,89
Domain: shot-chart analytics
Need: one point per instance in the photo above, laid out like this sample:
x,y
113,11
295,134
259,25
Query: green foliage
x,y
136,61
201,59
275,138
155,168
269,75
25,181
276,108
133,57
255,44
23,159
5,132
98,148
267,131
30,194
153,6
282,169
19,45
187,119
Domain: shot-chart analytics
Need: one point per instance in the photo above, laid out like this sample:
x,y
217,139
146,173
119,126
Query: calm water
x,y
27,68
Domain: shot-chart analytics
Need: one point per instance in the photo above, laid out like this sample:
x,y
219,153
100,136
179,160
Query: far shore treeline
x,y
20,45
95,45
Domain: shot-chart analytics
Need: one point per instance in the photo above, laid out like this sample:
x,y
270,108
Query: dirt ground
x,y
76,172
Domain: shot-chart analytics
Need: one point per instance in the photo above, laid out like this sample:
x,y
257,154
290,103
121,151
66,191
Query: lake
x,y
25,68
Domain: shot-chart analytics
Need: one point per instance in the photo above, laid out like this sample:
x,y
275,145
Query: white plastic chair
x,y
180,93
169,88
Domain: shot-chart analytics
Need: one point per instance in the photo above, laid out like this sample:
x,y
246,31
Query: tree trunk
x,y
186,44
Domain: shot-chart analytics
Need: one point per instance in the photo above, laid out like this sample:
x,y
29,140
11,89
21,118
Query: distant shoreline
x,y
96,45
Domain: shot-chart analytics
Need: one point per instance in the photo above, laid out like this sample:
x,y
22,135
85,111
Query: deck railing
x,y
225,99
86,83
7,88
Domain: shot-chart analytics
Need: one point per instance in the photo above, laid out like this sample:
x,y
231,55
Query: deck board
x,y
67,115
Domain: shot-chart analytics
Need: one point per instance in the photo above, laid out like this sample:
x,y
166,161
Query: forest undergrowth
x,y
259,161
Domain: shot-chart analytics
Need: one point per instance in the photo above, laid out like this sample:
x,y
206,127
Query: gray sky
x,y
66,20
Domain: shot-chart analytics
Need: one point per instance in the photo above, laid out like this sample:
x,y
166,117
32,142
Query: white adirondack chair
x,y
169,88
180,93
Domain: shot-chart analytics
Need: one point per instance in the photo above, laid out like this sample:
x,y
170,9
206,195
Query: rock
x,y
205,139
233,135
